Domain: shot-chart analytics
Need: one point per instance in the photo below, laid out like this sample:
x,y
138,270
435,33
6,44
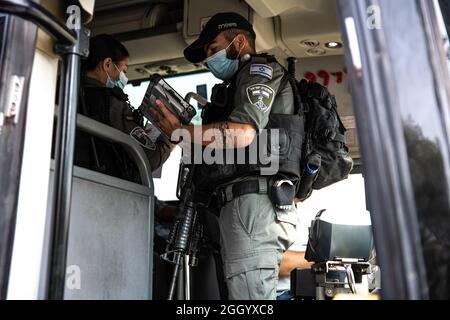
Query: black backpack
x,y
325,158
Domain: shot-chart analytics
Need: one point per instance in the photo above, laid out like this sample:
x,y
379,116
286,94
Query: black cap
x,y
218,23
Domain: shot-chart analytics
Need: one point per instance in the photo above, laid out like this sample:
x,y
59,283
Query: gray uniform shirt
x,y
258,94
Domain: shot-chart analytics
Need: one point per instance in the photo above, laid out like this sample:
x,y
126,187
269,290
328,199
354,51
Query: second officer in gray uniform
x,y
254,232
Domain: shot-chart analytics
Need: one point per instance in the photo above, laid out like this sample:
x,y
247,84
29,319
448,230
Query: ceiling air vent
x,y
309,43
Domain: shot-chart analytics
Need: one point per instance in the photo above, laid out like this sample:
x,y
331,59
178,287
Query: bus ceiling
x,y
156,32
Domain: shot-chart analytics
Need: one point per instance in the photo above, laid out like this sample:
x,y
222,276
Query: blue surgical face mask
x,y
121,82
222,67
109,82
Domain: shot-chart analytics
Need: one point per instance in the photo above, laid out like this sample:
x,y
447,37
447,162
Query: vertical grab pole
x,y
65,144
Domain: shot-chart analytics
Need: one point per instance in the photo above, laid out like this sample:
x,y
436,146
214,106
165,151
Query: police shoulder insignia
x,y
261,96
262,70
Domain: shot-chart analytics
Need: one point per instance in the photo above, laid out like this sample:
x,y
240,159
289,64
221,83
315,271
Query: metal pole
x,y
65,142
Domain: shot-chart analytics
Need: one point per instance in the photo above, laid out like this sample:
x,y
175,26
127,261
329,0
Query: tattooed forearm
x,y
221,135
225,133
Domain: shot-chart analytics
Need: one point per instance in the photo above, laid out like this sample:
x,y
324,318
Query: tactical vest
x,y
97,154
289,126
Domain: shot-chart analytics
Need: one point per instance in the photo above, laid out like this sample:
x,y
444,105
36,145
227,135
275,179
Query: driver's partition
x,y
110,245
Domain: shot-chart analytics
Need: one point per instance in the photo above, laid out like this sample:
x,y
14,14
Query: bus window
x,y
344,201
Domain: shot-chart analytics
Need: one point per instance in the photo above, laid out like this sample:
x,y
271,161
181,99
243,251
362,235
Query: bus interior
x,y
109,227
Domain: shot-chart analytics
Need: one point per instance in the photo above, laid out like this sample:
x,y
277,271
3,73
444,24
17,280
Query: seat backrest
x,y
110,238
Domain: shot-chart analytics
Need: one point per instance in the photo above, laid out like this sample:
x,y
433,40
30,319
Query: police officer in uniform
x,y
255,95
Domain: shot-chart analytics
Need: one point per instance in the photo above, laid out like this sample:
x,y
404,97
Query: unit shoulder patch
x,y
261,96
262,70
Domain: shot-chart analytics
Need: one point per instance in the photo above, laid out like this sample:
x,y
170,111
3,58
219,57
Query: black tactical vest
x,y
95,153
291,134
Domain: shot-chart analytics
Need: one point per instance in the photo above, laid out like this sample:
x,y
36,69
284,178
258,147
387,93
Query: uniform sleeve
x,y
122,118
157,157
118,114
257,86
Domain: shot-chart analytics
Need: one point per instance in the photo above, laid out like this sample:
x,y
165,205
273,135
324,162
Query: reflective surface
x,y
425,137
401,96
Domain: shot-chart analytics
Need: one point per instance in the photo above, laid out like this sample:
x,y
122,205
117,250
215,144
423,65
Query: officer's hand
x,y
165,119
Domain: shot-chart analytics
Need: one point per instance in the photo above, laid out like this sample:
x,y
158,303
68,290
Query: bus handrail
x,y
111,134
135,150
34,12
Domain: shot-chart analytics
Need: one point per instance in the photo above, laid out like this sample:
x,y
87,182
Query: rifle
x,y
186,233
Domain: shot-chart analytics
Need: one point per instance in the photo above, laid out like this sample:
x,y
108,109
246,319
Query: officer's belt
x,y
234,190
